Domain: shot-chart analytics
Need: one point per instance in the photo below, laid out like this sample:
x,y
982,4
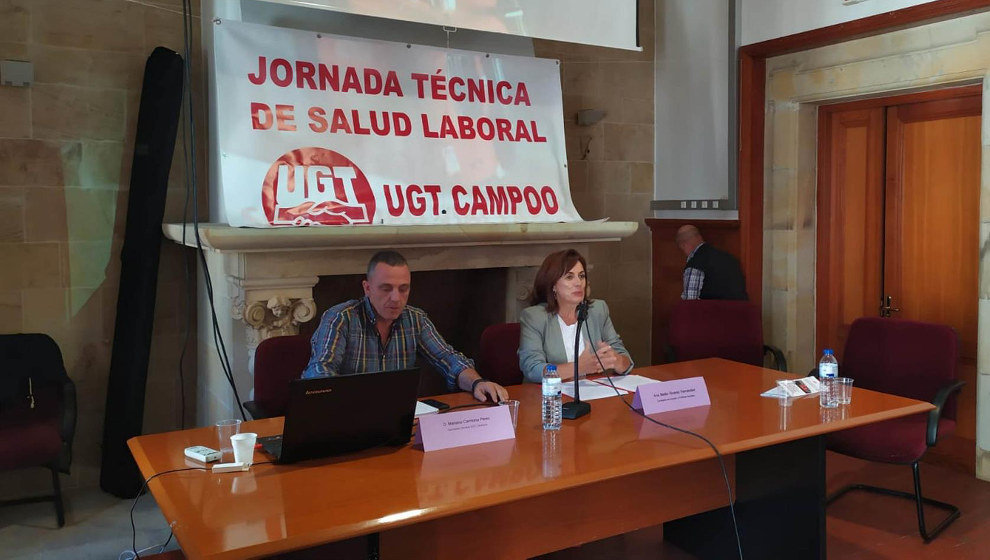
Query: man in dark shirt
x,y
709,273
379,332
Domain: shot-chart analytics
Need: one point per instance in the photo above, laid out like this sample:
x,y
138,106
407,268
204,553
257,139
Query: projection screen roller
x,y
594,22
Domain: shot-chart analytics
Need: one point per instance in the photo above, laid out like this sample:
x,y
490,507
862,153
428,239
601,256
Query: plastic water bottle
x,y
828,366
552,401
828,371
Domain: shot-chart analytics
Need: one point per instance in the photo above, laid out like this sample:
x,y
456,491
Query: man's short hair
x,y
389,257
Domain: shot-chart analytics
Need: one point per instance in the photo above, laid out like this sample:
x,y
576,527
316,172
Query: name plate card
x,y
465,427
664,396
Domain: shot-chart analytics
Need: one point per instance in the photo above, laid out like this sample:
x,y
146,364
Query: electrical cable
x,y
168,540
187,275
144,486
193,179
721,461
137,553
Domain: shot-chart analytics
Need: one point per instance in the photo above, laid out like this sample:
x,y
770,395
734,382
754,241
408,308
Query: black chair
x,y
37,411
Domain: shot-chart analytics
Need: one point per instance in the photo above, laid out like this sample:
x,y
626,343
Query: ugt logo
x,y
316,186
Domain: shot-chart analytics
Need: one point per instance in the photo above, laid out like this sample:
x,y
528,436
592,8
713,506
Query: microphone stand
x,y
576,408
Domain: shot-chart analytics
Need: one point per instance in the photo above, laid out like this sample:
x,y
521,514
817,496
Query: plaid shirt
x,y
347,342
694,279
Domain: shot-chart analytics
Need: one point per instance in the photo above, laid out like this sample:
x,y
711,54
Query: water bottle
x,y
828,366
828,371
552,401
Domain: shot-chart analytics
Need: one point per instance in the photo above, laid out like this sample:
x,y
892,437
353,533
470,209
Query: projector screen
x,y
592,22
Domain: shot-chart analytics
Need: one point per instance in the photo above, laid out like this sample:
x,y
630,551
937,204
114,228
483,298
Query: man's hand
x,y
490,390
483,389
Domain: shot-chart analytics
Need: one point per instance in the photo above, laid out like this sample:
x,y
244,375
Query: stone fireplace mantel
x,y
224,238
263,279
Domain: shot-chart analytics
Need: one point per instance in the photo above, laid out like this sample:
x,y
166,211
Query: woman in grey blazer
x,y
548,328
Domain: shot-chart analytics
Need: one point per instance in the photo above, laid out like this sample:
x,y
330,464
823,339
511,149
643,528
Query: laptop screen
x,y
332,415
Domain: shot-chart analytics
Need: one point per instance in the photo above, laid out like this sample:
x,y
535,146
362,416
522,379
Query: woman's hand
x,y
588,363
611,359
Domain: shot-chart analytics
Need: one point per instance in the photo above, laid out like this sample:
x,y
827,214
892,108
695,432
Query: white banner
x,y
330,130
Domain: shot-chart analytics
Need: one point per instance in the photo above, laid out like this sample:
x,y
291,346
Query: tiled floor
x,y
860,526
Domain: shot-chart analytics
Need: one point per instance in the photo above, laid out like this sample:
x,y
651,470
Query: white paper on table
x,y
793,388
590,390
627,382
423,408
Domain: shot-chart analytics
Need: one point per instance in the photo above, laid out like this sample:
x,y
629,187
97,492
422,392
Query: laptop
x,y
328,416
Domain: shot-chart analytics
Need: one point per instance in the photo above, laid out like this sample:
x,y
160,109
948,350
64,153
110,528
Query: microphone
x,y
577,408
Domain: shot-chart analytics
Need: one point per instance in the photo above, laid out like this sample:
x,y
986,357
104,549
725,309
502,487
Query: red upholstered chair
x,y
708,328
910,359
498,359
37,411
277,361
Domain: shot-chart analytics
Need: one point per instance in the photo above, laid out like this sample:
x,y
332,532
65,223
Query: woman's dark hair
x,y
553,267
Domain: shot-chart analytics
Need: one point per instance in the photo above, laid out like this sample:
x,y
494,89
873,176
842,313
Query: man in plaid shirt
x,y
379,332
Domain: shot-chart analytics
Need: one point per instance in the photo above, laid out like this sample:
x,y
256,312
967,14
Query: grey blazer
x,y
540,341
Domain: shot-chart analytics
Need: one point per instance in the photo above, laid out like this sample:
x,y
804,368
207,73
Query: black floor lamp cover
x,y
161,99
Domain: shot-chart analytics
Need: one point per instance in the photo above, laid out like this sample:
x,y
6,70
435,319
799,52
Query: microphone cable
x,y
192,178
721,461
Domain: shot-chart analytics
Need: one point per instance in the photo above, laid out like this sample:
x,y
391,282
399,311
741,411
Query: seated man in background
x,y
379,332
709,272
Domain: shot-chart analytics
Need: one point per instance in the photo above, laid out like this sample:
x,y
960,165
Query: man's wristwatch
x,y
475,383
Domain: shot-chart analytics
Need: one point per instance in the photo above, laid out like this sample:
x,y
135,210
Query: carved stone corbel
x,y
279,316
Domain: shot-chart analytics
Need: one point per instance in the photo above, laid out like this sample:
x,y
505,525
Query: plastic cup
x,y
243,445
829,395
845,389
225,429
784,399
513,410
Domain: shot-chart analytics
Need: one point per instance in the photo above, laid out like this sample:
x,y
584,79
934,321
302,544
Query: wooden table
x,y
605,474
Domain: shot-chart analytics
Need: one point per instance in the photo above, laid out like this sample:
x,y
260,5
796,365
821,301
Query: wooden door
x,y
898,216
850,221
932,253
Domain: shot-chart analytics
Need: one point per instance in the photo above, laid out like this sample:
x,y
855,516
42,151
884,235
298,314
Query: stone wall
x,y
611,168
66,144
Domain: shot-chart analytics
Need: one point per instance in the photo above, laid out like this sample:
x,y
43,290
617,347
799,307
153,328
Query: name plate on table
x,y
466,427
664,396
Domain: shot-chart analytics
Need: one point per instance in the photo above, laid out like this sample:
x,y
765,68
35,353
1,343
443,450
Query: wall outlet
x,y
16,73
